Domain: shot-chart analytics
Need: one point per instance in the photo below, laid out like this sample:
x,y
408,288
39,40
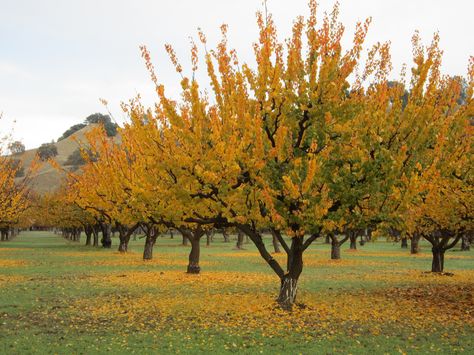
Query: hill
x,y
48,178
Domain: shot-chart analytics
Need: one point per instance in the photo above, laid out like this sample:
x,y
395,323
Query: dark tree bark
x,y
437,264
194,236
404,243
4,234
440,242
106,235
327,240
151,235
88,232
124,236
415,244
336,245
353,240
194,255
465,242
95,233
335,250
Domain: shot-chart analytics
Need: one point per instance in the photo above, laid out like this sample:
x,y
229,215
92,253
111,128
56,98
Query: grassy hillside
x,y
47,178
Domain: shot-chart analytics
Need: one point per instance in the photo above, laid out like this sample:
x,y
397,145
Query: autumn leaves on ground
x,y
59,297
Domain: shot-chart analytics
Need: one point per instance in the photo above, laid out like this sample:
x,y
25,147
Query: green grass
x,y
37,316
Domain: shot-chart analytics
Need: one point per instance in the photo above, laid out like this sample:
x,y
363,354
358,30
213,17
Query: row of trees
x,y
302,144
14,195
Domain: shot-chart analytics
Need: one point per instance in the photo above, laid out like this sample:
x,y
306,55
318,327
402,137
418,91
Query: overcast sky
x,y
58,57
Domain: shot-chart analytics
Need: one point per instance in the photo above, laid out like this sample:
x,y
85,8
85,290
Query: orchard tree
x,y
256,155
431,145
13,194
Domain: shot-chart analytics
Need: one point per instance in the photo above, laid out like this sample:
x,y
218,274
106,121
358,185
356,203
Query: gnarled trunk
x,y
124,236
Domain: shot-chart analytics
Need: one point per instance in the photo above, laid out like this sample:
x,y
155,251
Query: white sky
x,y
58,57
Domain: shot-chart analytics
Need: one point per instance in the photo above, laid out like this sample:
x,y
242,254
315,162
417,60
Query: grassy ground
x,y
62,297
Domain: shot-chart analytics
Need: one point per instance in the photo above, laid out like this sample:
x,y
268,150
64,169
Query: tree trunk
x,y
415,244
240,240
368,233
327,240
123,244
288,290
353,239
4,234
208,239
438,260
149,244
124,236
289,281
335,250
226,236
276,244
185,240
88,232
194,254
404,243
106,232
465,242
95,233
